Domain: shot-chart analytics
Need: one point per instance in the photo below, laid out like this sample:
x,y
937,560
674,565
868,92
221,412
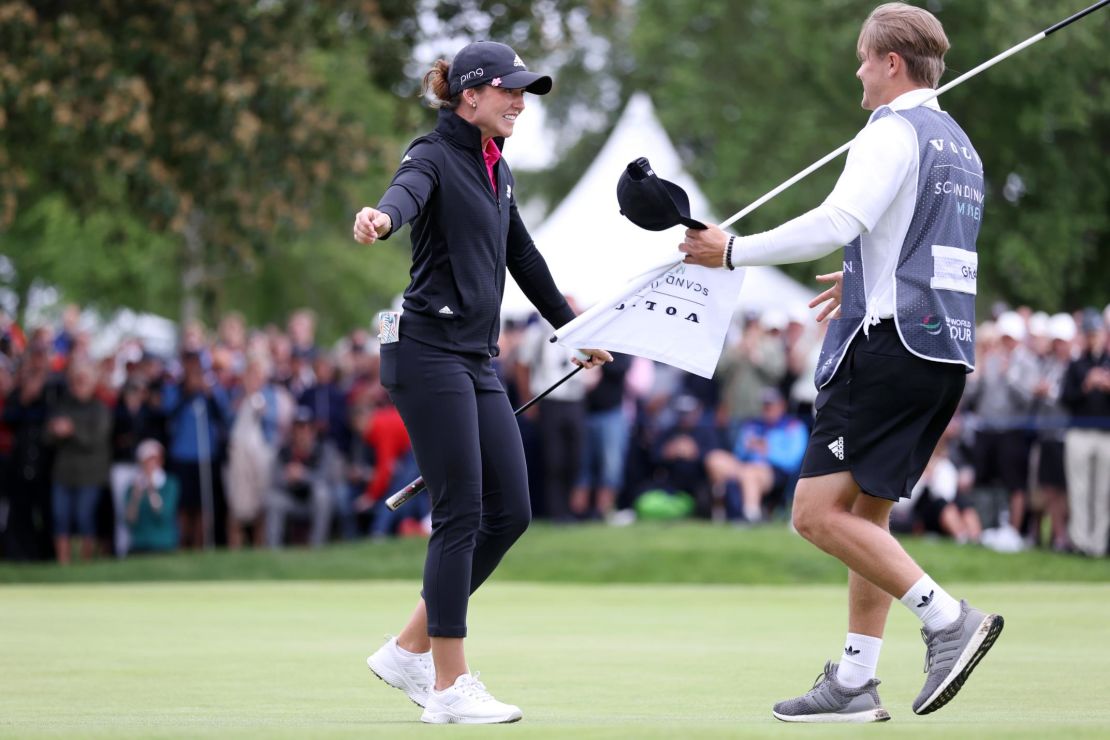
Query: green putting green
x,y
269,659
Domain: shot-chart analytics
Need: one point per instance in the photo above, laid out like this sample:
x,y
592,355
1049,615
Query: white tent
x,y
592,249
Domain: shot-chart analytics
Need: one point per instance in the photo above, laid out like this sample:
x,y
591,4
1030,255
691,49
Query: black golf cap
x,y
651,202
491,63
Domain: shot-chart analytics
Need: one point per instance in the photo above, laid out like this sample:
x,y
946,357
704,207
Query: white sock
x,y
931,603
861,657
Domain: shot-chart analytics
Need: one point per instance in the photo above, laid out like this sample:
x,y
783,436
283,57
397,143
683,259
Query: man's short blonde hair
x,y
913,34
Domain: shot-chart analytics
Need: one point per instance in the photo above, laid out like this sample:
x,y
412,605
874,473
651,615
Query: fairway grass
x,y
287,659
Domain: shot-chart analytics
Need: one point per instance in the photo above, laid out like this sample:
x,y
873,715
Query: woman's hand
x,y
832,295
370,225
589,358
705,247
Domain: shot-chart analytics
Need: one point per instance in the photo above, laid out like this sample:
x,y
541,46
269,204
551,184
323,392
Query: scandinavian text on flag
x,y
678,314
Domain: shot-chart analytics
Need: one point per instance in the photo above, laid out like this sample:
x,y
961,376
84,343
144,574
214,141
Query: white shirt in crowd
x,y
941,478
548,363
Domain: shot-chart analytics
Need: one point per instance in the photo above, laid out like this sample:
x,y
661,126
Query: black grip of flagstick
x,y
1074,18
398,499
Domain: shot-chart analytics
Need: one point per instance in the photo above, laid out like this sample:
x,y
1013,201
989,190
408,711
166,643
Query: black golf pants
x,y
467,445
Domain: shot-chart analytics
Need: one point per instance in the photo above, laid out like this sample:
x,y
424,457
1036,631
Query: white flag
x,y
675,313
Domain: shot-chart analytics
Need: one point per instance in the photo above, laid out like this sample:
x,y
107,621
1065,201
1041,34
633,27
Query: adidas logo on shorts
x,y
836,447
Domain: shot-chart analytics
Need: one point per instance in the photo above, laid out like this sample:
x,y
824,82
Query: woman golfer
x,y
457,192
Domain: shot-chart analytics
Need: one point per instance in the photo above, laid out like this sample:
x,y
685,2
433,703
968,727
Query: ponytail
x,y
437,82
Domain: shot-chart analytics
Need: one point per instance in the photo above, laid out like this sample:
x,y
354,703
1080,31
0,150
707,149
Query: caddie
x,y
908,206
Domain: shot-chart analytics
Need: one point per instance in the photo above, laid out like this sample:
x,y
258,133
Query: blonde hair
x,y
912,33
437,82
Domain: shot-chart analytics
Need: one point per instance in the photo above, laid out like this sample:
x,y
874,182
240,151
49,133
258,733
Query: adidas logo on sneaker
x,y
836,447
446,311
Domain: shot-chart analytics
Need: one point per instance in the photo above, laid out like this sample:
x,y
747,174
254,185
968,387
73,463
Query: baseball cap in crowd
x,y
491,63
1092,321
770,394
774,319
686,404
651,202
1010,324
303,415
1061,326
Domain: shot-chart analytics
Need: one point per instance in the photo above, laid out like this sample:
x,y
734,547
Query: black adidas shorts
x,y
882,414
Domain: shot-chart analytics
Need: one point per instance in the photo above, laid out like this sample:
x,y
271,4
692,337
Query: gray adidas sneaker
x,y
829,701
952,653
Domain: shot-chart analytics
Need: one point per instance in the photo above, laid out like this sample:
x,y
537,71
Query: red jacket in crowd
x,y
387,436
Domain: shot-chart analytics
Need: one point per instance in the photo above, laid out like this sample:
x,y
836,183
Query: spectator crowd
x,y
263,437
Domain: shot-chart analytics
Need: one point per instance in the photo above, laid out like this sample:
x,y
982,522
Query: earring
x,y
473,104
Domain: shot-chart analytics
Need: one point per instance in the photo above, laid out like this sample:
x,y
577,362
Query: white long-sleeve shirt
x,y
875,195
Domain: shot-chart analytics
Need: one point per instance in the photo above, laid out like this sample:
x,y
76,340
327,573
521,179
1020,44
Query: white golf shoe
x,y
413,673
467,702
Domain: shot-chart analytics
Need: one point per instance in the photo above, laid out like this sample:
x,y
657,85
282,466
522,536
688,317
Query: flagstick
x,y
962,78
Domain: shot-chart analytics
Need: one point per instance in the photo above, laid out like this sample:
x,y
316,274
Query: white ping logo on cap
x,y
477,72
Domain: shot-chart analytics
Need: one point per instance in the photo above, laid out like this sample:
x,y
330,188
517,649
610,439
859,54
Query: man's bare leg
x,y
823,515
868,607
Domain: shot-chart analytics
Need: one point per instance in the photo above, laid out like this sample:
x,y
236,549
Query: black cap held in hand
x,y
491,63
651,202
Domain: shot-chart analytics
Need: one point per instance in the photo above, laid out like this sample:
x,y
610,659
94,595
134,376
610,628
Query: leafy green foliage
x,y
104,259
196,119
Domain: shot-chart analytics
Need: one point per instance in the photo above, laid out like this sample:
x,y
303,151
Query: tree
x,y
200,120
